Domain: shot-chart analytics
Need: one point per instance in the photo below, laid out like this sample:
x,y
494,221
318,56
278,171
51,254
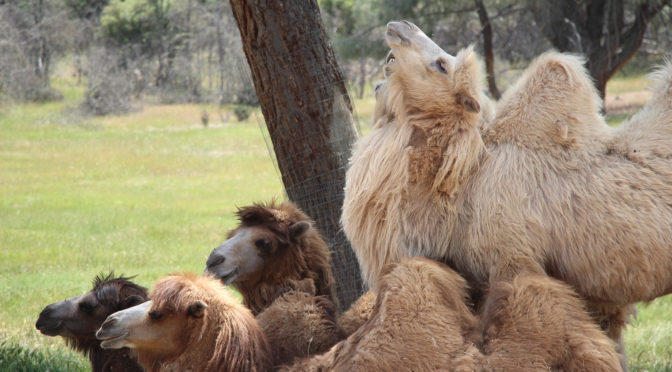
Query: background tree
x,y
607,32
34,32
308,114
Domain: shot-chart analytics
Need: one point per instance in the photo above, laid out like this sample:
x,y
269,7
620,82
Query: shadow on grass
x,y
17,358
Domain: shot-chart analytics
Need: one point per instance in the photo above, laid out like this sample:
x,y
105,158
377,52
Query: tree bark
x,y
308,114
487,48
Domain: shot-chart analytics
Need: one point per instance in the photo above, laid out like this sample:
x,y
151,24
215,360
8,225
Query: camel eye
x,y
390,59
441,66
155,314
87,307
264,245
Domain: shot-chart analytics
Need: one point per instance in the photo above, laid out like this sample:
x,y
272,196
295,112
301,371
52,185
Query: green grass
x,y
146,194
622,83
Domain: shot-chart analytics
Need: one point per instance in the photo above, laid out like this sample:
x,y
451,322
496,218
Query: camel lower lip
x,y
55,331
229,277
110,341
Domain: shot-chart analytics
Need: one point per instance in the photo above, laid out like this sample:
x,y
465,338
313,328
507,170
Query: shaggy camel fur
x,y
192,323
299,325
548,188
274,249
78,318
358,313
537,323
421,322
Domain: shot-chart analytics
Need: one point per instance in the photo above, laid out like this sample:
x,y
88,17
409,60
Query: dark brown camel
x,y
78,318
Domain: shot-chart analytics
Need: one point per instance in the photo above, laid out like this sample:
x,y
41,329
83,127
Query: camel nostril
x,y
215,260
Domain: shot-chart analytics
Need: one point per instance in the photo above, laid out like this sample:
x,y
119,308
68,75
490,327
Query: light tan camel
x,y
547,188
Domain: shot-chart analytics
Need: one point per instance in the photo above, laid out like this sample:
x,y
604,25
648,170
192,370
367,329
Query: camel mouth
x,y
112,342
51,330
395,34
228,278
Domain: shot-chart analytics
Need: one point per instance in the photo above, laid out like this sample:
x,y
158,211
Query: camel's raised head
x,y
429,78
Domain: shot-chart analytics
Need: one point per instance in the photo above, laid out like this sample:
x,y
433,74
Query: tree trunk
x,y
308,114
487,48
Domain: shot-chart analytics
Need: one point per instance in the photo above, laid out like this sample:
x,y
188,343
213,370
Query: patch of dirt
x,y
626,102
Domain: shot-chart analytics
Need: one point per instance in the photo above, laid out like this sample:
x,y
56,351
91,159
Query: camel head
x,y
260,244
427,79
77,318
176,308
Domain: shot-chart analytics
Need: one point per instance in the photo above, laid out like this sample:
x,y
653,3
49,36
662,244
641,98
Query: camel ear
x,y
298,229
468,102
131,301
197,309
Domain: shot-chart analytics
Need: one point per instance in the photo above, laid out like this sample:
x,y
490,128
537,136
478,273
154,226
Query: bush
x,y
242,112
111,85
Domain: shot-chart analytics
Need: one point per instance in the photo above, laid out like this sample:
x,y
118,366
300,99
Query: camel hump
x,y
553,103
649,132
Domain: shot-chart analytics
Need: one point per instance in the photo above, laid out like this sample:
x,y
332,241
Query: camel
x,y
274,249
547,188
422,322
76,319
190,323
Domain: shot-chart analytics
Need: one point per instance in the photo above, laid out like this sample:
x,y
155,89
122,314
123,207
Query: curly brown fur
x,y
77,319
293,256
299,325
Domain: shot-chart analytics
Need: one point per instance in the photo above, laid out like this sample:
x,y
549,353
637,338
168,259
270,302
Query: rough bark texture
x,y
597,29
308,114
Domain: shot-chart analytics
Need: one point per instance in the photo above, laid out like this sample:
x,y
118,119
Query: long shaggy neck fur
x,y
420,153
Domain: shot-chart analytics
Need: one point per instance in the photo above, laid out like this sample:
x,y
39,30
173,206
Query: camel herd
x,y
508,236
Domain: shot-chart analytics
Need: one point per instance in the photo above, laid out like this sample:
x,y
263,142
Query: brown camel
x,y
275,248
78,318
191,323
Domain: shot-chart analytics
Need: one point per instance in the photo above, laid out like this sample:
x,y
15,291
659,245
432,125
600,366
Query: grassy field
x,y
143,194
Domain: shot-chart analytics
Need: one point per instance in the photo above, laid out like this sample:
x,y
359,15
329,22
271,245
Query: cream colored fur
x,y
546,192
547,187
386,216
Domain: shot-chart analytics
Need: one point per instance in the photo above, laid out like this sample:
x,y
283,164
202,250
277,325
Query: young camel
x,y
421,322
548,188
191,323
78,318
275,248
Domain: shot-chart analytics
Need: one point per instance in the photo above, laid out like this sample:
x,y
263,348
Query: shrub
x,y
242,112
